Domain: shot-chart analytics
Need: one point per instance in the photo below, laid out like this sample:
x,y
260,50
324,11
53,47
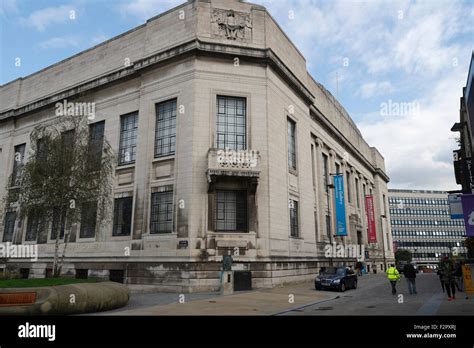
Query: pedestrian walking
x,y
358,268
458,275
410,275
446,269
393,276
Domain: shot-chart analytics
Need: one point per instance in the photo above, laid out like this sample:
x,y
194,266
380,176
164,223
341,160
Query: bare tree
x,y
67,170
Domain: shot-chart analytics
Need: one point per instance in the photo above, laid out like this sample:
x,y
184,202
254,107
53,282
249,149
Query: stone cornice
x,y
193,47
382,174
319,117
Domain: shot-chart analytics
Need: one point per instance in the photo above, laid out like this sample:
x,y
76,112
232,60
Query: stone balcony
x,y
233,163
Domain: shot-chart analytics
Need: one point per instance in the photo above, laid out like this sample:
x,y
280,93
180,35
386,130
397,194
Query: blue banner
x,y
341,229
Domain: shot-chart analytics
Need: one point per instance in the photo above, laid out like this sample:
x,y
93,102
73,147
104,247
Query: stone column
x,y
332,169
320,191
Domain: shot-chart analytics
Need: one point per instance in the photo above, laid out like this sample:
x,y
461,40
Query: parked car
x,y
336,278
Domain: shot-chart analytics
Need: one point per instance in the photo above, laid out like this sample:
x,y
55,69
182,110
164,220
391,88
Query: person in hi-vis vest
x,y
393,276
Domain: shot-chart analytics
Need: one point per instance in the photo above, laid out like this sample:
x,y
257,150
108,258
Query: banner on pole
x,y
341,229
371,231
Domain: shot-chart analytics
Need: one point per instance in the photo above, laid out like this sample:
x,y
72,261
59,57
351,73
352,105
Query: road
x,y
373,297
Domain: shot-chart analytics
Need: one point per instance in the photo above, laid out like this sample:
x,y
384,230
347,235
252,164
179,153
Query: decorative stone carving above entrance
x,y
231,24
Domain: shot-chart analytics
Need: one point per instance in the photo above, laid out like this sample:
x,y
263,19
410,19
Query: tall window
x,y
325,172
33,227
59,223
88,219
291,145
231,211
18,158
316,227
67,141
231,123
162,212
364,193
313,168
357,192
294,218
10,218
348,178
96,142
165,132
122,216
128,138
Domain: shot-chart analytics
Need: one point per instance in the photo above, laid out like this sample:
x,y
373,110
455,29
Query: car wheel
x,y
342,287
355,284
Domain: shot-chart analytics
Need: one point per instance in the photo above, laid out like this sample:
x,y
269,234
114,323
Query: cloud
x,y
413,51
46,17
381,36
8,8
424,49
145,9
417,147
370,89
60,42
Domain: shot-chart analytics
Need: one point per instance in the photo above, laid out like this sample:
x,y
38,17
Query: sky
x,y
397,67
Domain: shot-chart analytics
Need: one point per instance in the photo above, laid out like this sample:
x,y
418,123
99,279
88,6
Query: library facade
x,y
225,146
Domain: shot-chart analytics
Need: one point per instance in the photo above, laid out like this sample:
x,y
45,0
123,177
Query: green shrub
x,y
7,274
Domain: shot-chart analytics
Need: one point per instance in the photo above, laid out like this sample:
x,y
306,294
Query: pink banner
x,y
369,207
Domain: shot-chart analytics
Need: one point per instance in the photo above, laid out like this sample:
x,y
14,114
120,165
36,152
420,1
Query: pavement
x,y
372,297
256,302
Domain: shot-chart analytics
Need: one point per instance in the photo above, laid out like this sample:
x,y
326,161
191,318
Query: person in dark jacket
x,y
458,275
410,274
446,269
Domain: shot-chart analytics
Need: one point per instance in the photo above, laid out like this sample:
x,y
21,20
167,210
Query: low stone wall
x,y
187,277
64,299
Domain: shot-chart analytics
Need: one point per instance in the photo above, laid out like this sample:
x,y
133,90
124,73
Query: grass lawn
x,y
27,283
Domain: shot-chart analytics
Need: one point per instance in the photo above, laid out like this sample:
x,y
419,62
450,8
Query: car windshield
x,y
334,271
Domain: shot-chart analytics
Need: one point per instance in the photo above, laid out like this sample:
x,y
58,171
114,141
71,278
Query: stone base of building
x,y
184,277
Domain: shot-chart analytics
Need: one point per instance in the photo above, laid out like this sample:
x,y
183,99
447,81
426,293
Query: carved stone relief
x,y
231,24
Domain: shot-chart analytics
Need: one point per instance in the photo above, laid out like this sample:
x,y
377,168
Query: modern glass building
x,y
421,223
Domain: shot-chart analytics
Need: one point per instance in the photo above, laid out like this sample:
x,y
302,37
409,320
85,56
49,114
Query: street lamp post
x,y
383,242
329,186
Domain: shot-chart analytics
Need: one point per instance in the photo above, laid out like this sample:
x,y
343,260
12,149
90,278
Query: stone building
x,y
180,98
